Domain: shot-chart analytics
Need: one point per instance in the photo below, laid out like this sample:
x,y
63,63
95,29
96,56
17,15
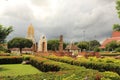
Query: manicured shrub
x,y
26,57
4,54
44,64
112,76
101,66
63,71
110,54
117,49
11,59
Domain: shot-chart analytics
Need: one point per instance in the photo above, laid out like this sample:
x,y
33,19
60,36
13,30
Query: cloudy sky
x,y
77,20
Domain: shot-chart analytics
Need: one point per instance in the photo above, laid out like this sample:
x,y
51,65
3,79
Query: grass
x,y
17,70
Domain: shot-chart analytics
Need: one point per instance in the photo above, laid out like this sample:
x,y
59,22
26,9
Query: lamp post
x,y
83,35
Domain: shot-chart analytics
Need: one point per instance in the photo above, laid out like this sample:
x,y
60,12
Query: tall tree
x,y
118,7
83,45
54,44
116,27
93,44
20,43
4,32
111,46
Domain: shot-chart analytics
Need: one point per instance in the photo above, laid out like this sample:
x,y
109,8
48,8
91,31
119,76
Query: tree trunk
x,y
20,50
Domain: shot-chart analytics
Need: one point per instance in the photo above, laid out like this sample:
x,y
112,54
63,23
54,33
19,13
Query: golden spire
x,y
30,33
30,30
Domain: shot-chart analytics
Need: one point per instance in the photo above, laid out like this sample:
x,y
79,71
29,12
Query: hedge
x,y
47,65
110,54
59,71
43,64
101,66
11,59
73,71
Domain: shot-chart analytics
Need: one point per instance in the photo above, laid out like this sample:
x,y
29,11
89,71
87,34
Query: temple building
x,y
115,37
42,45
30,36
72,48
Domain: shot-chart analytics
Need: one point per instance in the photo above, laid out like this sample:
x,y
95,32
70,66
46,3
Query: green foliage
x,y
111,46
117,49
4,32
3,49
54,45
116,27
118,7
20,43
109,54
46,65
83,45
111,75
96,49
92,64
93,44
88,45
26,57
63,71
10,59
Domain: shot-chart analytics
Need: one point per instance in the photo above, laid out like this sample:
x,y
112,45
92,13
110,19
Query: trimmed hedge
x,y
101,66
110,54
11,59
74,72
47,65
62,71
43,64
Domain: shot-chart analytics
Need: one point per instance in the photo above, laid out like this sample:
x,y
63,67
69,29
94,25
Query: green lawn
x,y
17,70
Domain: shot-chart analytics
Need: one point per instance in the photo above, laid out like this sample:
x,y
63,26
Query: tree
x,y
111,46
93,44
83,45
118,7
20,43
54,44
4,32
116,27
96,49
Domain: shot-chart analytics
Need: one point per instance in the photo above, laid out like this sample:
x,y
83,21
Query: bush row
x,y
110,54
46,65
66,76
10,59
101,66
71,72
60,71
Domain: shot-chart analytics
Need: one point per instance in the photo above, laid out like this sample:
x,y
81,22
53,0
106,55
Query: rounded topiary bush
x,y
117,49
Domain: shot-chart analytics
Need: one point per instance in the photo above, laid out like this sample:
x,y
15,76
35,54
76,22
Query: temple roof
x,y
116,34
71,47
115,37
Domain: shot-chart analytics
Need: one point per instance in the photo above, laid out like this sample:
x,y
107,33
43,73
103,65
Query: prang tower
x,y
30,33
30,36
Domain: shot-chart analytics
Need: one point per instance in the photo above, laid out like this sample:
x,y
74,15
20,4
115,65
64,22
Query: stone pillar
x,y
61,44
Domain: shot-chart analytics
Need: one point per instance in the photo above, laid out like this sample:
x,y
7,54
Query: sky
x,y
76,20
